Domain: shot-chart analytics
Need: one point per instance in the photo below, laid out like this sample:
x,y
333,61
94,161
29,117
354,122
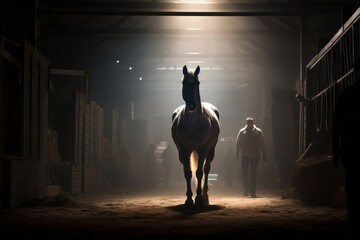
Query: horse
x,y
195,130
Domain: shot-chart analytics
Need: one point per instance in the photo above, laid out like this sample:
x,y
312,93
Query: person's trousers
x,y
249,165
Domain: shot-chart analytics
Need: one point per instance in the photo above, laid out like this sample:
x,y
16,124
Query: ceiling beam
x,y
167,9
145,31
68,7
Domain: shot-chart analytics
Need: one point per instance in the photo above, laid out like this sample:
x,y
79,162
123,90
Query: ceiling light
x,y
195,61
193,29
195,2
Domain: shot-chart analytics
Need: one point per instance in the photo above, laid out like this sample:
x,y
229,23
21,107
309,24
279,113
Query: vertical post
x,y
302,75
37,24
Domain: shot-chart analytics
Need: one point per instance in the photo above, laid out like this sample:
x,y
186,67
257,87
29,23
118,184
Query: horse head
x,y
190,90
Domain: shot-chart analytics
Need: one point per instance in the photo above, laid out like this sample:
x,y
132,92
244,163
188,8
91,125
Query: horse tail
x,y
194,160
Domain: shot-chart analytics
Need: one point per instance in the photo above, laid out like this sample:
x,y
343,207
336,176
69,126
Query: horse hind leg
x,y
206,187
188,175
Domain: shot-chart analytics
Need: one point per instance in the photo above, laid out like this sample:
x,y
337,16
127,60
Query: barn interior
x,y
83,81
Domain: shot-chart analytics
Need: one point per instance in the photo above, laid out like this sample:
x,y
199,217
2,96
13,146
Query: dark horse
x,y
195,131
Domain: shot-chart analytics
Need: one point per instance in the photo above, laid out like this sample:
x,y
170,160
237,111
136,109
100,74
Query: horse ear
x,y
185,70
197,71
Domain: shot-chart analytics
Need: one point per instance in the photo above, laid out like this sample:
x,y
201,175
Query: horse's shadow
x,y
193,209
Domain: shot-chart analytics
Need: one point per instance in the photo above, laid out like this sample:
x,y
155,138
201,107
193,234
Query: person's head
x,y
250,121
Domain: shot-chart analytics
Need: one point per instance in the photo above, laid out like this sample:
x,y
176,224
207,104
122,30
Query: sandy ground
x,y
161,214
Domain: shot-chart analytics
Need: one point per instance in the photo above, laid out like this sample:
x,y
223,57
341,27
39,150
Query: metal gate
x,y
328,74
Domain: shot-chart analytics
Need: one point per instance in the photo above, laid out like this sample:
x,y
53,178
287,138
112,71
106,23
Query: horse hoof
x,y
199,201
205,200
189,202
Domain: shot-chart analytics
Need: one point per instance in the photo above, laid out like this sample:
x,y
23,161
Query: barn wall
x,y
93,165
29,171
87,168
49,142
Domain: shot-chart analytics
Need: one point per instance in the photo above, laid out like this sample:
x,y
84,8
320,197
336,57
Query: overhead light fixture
x,y
195,61
193,29
193,53
195,2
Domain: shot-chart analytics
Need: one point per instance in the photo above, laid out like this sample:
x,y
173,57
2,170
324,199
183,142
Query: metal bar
x,y
332,84
348,25
67,72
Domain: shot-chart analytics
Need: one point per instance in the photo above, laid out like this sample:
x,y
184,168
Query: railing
x,y
328,74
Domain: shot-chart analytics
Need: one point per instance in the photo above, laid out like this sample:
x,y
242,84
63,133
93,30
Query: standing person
x,y
346,143
167,156
250,145
150,166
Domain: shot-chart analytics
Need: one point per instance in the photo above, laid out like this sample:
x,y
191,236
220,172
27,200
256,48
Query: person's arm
x,y
237,147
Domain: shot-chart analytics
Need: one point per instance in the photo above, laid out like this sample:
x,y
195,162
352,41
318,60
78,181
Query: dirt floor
x,y
161,214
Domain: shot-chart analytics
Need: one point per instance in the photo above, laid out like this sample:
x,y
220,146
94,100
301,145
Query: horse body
x,y
195,131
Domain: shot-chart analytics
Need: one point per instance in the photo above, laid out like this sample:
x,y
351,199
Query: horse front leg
x,y
185,159
199,175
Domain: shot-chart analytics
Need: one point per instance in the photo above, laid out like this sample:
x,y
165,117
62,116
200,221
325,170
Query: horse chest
x,y
194,130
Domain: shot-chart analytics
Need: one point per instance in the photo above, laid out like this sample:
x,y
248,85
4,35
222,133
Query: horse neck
x,y
198,102
199,108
